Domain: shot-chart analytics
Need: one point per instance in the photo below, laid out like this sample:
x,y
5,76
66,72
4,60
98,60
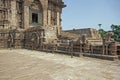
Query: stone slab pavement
x,y
21,64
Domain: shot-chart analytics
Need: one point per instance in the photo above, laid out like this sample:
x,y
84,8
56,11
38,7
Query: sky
x,y
89,13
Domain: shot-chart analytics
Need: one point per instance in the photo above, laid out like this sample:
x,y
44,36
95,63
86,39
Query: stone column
x,y
58,30
59,22
49,17
9,18
26,17
13,16
58,18
44,4
113,48
103,46
44,17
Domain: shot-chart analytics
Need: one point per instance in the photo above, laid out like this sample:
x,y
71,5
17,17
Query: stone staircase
x,y
95,41
69,35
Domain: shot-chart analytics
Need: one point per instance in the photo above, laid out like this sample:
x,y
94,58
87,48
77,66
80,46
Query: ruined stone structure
x,y
92,35
90,32
90,41
24,14
36,24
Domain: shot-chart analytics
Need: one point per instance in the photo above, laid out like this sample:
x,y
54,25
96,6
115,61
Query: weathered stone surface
x,y
90,32
24,14
35,65
88,35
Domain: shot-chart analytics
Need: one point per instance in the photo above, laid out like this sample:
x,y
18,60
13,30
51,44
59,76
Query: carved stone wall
x,y
20,14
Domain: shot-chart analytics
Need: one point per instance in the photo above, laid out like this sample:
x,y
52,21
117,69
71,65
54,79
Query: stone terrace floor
x,y
21,64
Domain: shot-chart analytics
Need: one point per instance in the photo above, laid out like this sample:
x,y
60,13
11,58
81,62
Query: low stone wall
x,y
3,38
50,33
105,57
11,39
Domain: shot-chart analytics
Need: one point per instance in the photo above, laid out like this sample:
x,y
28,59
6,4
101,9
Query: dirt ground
x,y
21,64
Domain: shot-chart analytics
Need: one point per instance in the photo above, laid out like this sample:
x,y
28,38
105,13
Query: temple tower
x,y
24,14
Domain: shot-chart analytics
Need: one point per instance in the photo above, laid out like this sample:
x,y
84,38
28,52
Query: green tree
x,y
99,26
102,32
116,30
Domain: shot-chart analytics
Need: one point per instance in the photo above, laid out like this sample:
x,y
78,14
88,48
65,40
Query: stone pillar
x,y
59,22
13,16
113,48
44,17
106,48
58,18
26,17
49,17
103,47
44,4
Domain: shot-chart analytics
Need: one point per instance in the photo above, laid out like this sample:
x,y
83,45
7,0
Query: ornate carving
x,y
108,36
34,6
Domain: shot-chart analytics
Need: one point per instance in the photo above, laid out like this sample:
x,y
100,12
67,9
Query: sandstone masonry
x,y
24,14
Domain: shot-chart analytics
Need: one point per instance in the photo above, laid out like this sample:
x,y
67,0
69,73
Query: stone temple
x,y
36,25
24,14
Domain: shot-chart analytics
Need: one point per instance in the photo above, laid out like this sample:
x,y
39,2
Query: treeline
x,y
115,29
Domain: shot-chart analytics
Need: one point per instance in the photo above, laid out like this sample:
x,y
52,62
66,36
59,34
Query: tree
x,y
116,30
102,32
99,26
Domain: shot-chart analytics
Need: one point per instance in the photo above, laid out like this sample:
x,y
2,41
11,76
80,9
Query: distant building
x,y
90,35
90,32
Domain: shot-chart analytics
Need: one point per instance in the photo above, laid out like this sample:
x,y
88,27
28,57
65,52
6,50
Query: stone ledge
x,y
105,57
